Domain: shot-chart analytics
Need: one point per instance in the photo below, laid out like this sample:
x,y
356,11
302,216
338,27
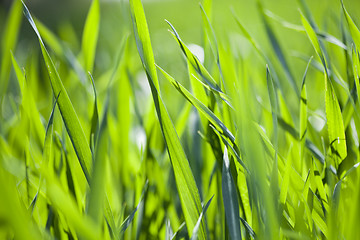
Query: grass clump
x,y
250,134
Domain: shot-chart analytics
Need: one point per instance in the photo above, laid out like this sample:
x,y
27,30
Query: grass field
x,y
179,119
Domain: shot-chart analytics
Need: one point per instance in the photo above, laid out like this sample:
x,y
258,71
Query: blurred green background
x,y
66,20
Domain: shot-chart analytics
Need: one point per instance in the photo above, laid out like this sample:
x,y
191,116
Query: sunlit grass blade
x,y
206,79
231,203
187,189
48,142
194,60
8,43
232,150
333,113
61,50
72,123
90,35
314,40
196,228
248,228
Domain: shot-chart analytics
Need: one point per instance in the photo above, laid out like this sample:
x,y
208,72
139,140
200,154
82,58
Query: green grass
x,y
121,130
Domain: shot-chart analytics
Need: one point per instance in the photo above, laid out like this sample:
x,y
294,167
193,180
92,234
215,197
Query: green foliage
x,y
251,133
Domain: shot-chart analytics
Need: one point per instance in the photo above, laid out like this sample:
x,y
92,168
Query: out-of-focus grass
x,y
236,120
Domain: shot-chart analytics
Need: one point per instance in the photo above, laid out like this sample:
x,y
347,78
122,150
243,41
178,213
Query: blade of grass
x,y
333,113
126,223
231,203
62,51
185,182
199,106
206,79
71,121
95,119
196,228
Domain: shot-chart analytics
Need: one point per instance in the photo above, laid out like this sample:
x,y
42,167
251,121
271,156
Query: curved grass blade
x,y
222,95
314,40
196,228
194,60
199,106
95,118
231,203
248,228
47,153
208,81
232,150
126,223
62,51
90,35
185,182
71,121
181,232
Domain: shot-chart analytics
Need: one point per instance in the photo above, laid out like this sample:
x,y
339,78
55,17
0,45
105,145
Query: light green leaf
x,y
314,40
335,122
90,35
